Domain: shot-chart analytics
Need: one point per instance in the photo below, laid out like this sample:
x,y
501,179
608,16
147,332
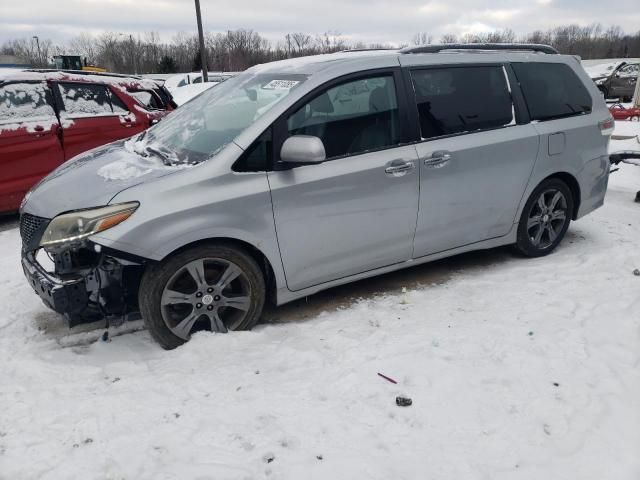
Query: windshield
x,y
203,126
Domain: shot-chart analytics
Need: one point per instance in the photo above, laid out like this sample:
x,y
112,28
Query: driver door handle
x,y
397,168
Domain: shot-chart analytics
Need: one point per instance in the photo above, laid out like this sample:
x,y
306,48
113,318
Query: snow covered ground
x,y
518,369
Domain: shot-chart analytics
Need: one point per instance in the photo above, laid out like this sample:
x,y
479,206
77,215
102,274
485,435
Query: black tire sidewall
x,y
523,243
156,277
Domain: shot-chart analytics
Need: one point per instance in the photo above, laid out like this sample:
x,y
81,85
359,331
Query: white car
x,y
183,79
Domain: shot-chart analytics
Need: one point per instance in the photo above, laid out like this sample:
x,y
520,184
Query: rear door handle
x,y
398,168
438,159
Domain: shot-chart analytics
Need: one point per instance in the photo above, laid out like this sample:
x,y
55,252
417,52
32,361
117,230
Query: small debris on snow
x,y
319,457
531,334
636,272
117,379
556,384
177,415
403,401
388,379
238,389
257,372
547,429
269,457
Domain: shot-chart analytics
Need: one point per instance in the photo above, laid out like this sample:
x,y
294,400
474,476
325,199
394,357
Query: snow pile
x,y
122,170
137,159
518,369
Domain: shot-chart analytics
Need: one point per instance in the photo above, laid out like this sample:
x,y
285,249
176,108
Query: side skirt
x,y
284,295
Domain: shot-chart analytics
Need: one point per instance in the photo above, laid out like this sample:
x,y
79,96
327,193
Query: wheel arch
x,y
254,252
573,185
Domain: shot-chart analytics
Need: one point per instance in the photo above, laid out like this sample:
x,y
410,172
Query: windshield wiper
x,y
159,153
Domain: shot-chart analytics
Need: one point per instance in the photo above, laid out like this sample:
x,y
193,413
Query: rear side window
x,y
351,118
462,99
82,99
22,101
552,90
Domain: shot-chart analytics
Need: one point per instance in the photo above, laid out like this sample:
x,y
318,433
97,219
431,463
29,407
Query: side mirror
x,y
303,149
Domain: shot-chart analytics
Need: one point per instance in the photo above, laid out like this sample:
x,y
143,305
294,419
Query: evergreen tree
x,y
167,65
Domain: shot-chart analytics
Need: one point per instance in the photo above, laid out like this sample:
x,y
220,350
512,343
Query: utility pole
x,y
636,93
38,44
133,55
203,53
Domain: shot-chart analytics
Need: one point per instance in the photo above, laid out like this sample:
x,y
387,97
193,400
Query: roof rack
x,y
529,47
372,49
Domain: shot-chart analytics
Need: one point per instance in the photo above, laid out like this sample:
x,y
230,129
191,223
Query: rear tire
x,y
545,218
207,287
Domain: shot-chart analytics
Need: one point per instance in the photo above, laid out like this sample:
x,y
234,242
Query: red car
x,y
47,117
620,112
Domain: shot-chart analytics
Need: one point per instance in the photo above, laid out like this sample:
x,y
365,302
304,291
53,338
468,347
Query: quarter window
x,y
257,158
22,101
351,118
147,99
462,99
81,99
552,90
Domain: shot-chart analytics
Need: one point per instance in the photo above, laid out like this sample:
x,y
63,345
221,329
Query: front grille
x,y
31,229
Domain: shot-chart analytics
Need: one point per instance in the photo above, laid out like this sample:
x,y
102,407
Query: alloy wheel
x,y
205,294
547,218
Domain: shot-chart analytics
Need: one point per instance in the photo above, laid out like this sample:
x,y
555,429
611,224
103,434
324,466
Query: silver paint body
x,y
331,223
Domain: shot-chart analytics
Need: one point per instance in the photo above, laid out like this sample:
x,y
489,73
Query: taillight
x,y
607,126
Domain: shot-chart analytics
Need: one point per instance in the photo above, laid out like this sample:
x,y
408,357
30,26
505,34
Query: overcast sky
x,y
392,21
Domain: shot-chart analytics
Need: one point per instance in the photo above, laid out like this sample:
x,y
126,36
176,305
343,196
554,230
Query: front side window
x,y
83,99
351,118
461,99
24,101
552,90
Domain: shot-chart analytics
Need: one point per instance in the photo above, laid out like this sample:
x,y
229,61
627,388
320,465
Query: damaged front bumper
x,y
68,296
87,282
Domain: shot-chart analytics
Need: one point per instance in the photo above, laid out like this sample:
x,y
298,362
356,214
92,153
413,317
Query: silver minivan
x,y
304,174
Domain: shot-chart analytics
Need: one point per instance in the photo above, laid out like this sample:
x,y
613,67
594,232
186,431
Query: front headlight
x,y
75,226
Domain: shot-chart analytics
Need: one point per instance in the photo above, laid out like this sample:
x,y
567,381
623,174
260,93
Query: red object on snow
x,y
620,112
387,378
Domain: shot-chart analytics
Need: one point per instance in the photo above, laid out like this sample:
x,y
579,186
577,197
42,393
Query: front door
x,y
623,82
30,145
475,160
356,211
92,115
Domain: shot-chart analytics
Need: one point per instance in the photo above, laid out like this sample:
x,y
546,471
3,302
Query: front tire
x,y
208,287
545,218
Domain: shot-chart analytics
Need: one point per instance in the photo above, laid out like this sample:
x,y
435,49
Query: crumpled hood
x,y
92,179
